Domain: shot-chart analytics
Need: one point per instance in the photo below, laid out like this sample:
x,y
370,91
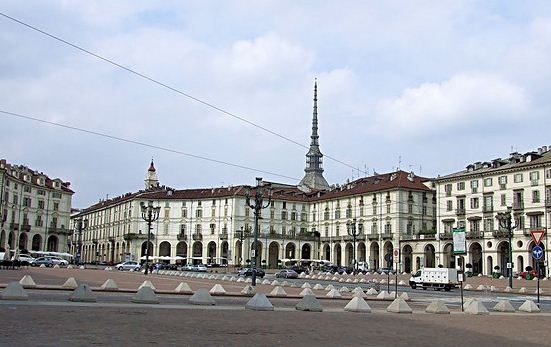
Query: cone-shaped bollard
x,y
437,307
259,302
399,306
357,304
145,295
109,285
309,303
202,297
14,291
82,294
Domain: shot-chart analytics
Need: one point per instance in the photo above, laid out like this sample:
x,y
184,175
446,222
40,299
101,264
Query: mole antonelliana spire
x,y
313,179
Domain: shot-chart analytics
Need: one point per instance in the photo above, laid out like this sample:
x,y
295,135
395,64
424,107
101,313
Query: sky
x,y
426,86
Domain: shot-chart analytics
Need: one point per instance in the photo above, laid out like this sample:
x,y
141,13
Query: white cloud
x,y
465,100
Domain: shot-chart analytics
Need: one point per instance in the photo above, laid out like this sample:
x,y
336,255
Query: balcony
x,y
460,211
372,236
223,236
518,205
548,202
407,237
237,234
111,239
427,234
487,209
135,236
181,237
14,226
445,236
500,234
59,231
387,236
26,227
474,235
197,237
95,241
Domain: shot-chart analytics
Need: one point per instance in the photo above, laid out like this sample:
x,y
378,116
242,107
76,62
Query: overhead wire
x,y
145,144
164,85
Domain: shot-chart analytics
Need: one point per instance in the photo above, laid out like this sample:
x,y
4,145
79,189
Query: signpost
x,y
460,248
396,256
537,253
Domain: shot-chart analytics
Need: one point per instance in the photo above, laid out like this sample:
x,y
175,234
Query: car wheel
x,y
413,286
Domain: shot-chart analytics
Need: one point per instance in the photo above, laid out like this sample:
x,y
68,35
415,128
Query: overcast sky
x,y
428,85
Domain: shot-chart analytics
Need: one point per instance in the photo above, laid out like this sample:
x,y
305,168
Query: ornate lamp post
x,y
354,232
82,224
506,222
257,207
149,214
241,237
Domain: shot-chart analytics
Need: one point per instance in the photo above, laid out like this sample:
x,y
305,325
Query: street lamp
x,y
506,222
241,237
82,224
257,207
354,232
149,214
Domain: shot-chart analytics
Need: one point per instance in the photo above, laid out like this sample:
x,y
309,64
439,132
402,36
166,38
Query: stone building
x,y
34,210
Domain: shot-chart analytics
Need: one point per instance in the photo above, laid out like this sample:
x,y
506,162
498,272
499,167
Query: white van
x,y
363,266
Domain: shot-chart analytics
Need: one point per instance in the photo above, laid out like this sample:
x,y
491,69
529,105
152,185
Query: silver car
x,y
128,265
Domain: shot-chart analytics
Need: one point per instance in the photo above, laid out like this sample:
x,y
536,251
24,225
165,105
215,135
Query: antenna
x,y
399,161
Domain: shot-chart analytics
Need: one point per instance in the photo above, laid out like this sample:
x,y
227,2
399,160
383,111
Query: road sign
x,y
537,235
396,255
537,252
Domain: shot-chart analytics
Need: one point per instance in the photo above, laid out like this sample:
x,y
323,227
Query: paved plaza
x,y
49,319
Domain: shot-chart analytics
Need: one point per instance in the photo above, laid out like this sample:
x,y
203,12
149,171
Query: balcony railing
x,y
237,234
386,236
445,236
474,234
460,211
197,237
136,236
26,227
223,236
518,205
500,234
14,226
182,237
59,231
487,209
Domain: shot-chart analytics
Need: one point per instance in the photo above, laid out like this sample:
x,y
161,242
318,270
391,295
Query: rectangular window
x,y
326,215
534,175
488,182
27,189
337,214
502,179
15,200
503,200
293,215
198,229
27,202
535,196
474,203
284,215
387,208
448,189
488,203
410,208
449,205
199,213
460,185
488,224
517,178
56,195
535,222
474,225
41,204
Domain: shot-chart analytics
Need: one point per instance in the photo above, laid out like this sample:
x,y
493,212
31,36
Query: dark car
x,y
42,260
298,269
249,272
330,268
287,273
345,270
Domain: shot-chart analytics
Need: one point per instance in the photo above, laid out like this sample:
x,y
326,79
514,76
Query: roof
x,y
35,176
516,161
380,182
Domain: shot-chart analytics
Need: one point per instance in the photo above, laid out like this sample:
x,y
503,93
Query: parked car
x,y
58,261
298,269
345,269
26,259
200,268
188,267
287,273
128,265
249,272
43,260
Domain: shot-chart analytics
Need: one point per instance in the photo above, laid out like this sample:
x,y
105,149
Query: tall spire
x,y
313,179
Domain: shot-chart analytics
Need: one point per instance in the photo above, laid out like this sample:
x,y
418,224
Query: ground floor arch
x,y
406,258
36,244
327,252
448,257
503,257
337,254
224,248
164,249
476,258
306,252
430,256
197,251
290,249
273,252
23,239
52,244
361,252
349,254
181,250
374,254
211,252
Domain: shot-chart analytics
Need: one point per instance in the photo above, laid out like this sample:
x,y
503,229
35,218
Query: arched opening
x,y
417,263
429,256
37,243
374,255
197,252
273,251
211,252
258,252
11,239
181,251
388,254
476,258
449,259
164,249
349,254
361,251
306,251
503,256
406,258
489,265
145,249
327,252
338,254
290,250
52,244
239,253
2,239
23,241
224,247
520,264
